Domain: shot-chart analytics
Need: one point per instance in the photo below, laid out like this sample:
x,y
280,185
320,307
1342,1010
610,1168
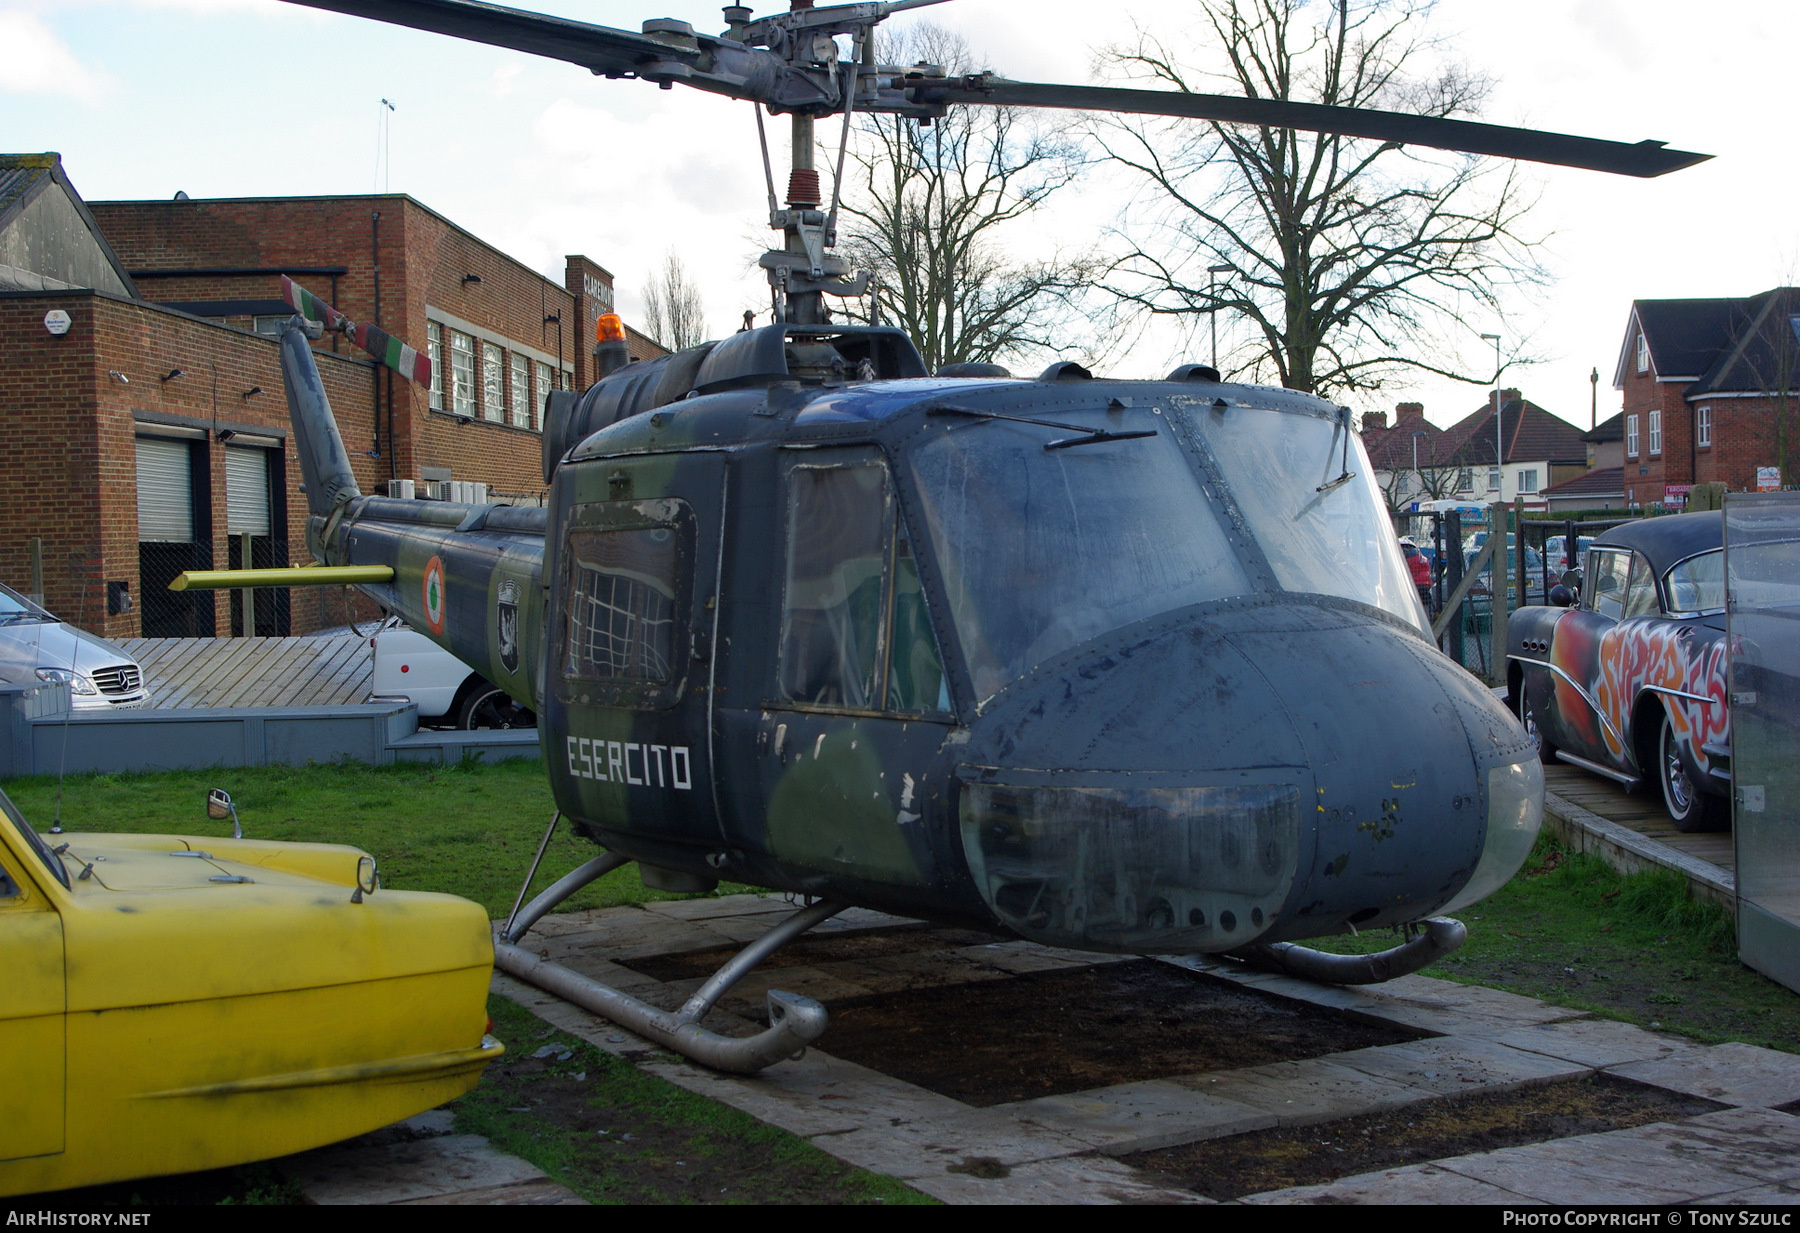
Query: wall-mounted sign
x,y
57,322
599,291
1768,479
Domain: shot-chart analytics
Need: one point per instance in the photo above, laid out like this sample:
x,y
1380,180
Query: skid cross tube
x,y
794,1021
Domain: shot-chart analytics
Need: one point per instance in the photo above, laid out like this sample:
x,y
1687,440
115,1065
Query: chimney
x,y
1408,411
1507,396
1373,420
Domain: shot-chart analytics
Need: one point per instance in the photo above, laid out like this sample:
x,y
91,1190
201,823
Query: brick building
x,y
141,392
1711,392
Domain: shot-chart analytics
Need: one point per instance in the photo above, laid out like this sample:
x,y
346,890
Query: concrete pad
x,y
1302,1093
559,923
530,1194
1759,1196
1759,1143
629,937
1732,1074
825,983
590,964
1141,1117
1078,1179
1019,958
1415,1184
928,1148
1598,1043
725,905
399,1172
1455,1065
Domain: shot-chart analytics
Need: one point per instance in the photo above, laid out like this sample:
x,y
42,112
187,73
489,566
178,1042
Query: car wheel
x,y
1692,809
1546,751
489,706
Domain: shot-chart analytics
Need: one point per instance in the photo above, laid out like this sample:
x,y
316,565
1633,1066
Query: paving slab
x,y
931,1147
1732,1074
1671,1162
1416,1184
1072,1180
529,1194
636,936
725,905
1759,1196
1302,1093
1019,958
1141,1117
1759,1143
401,1172
1457,1065
1598,1043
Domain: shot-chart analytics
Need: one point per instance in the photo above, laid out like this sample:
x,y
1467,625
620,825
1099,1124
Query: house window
x,y
1655,433
1631,442
434,351
462,374
521,392
1703,426
493,383
1465,479
1528,481
1643,353
1493,479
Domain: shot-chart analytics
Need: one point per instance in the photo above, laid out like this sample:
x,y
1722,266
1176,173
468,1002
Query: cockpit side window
x,y
855,632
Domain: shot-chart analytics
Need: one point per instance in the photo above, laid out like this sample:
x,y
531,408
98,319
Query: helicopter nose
x,y
1264,771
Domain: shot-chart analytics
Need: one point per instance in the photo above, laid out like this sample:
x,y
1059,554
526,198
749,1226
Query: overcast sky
x,y
254,97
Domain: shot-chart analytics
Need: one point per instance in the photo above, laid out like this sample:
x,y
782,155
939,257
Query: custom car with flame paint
x,y
1624,672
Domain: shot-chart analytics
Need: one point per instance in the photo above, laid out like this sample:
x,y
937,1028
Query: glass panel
x,y
521,392
434,344
1762,557
838,533
493,382
1697,584
621,608
1042,550
915,670
1338,541
1640,595
1606,582
462,373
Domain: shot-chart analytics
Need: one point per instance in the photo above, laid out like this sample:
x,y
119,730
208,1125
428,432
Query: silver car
x,y
35,647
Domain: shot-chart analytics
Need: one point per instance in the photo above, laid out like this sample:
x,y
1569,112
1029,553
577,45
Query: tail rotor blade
x,y
371,338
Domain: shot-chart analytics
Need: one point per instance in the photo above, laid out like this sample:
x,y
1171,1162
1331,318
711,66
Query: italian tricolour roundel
x,y
434,596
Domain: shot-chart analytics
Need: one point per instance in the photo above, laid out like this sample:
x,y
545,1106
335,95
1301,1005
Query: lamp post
x,y
1212,312
1499,443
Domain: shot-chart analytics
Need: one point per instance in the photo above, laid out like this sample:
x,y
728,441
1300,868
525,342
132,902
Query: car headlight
x,y
76,682
1515,810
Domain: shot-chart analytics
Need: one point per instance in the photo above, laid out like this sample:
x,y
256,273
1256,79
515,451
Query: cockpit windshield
x,y
1042,549
1283,469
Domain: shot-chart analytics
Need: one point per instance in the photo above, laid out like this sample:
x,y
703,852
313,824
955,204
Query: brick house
x,y
1525,452
1406,456
140,391
1710,391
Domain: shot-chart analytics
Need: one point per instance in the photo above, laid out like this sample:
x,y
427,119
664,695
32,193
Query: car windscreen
x,y
15,609
1321,532
1044,548
33,840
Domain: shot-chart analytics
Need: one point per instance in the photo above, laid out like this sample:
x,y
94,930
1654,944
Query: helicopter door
x,y
637,604
860,697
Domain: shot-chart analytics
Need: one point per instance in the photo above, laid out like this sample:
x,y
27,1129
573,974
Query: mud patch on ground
x,y
1054,1032
814,950
1432,1130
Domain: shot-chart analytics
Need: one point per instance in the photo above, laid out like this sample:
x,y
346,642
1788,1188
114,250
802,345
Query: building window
x,y
434,351
1493,479
520,401
1631,450
462,374
268,327
1703,426
493,382
1655,433
1465,479
1528,481
1643,353
542,390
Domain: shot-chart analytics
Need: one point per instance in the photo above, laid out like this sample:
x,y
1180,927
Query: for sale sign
x,y
1768,479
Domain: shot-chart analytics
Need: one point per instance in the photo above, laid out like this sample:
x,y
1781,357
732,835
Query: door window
x,y
1640,592
1607,576
855,631
626,587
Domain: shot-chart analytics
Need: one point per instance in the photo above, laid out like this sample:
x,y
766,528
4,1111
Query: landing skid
x,y
794,1021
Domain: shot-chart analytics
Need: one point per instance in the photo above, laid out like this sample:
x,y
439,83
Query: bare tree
x,y
672,313
924,213
1351,259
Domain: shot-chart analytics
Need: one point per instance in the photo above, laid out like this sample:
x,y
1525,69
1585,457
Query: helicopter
x,y
1113,665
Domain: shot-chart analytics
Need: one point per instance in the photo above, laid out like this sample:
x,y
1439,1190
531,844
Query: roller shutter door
x,y
246,491
165,492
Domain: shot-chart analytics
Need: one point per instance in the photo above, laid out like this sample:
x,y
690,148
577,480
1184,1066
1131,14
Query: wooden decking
x,y
209,672
1643,813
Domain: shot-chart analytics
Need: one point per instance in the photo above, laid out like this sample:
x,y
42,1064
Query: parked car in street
x,y
1627,677
1556,555
1534,573
174,1003
450,694
35,646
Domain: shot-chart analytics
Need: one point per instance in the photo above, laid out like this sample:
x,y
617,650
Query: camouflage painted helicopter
x,y
1115,665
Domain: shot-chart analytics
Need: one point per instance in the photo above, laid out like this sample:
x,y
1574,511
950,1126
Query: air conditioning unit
x,y
402,488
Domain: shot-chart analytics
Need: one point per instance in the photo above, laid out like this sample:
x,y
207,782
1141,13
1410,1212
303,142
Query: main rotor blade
x,y
1646,158
602,49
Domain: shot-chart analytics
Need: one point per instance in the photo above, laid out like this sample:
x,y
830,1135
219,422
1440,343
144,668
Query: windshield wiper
x,y
1088,435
